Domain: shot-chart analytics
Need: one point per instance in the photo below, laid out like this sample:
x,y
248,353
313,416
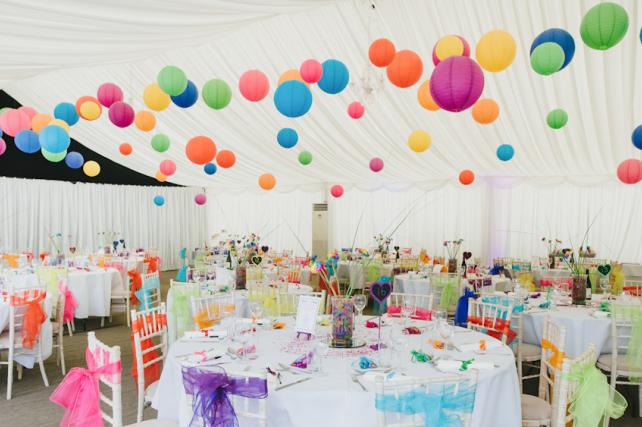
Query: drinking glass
x,y
196,276
256,307
269,318
407,308
399,341
320,347
229,319
360,304
446,331
210,273
243,335
607,292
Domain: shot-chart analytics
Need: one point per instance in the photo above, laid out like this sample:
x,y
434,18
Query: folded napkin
x,y
456,365
488,344
392,376
205,333
602,314
202,356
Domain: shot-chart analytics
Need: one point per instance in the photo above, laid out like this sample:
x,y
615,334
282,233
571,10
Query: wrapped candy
x,y
364,363
303,361
413,330
419,356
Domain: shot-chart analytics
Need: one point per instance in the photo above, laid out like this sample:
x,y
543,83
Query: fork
x,y
356,380
247,368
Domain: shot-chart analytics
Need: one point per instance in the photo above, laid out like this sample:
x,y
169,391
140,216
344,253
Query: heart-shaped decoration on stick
x,y
467,255
380,291
122,240
264,249
604,269
72,250
397,248
257,260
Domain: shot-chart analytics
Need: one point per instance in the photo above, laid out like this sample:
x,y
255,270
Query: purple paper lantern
x,y
200,199
456,83
121,114
376,164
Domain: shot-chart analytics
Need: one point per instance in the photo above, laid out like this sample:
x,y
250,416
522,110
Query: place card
x,y
306,319
222,276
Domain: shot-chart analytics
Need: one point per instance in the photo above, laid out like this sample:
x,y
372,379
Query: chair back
x,y
422,305
208,310
182,294
104,355
287,303
19,300
49,276
487,317
439,282
153,252
633,287
553,342
150,290
567,388
623,318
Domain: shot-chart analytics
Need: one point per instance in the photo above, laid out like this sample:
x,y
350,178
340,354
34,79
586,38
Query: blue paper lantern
x,y
67,112
636,137
54,139
74,160
210,168
505,152
335,77
159,200
188,97
562,38
27,141
287,138
293,98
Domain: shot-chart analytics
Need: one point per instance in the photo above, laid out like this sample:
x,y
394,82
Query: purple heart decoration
x,y
380,291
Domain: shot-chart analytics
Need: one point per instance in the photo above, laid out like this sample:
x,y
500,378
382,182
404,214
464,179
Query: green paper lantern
x,y
160,143
172,80
53,157
547,58
604,26
557,119
305,158
217,94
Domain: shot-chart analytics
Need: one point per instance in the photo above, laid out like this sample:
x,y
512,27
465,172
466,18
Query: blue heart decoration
x,y
380,291
122,240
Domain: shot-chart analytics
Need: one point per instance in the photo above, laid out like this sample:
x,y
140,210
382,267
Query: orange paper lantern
x,y
145,121
200,150
267,181
466,177
292,75
84,99
39,121
425,98
485,111
226,159
381,52
405,69
125,149
160,177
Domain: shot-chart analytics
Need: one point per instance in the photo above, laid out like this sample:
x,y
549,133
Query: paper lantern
x,y
200,150
335,77
425,98
172,80
54,139
30,112
90,111
121,114
155,98
505,152
381,52
125,149
217,94
74,160
3,146
210,168
456,83
109,93
287,138
254,85
167,167
466,177
145,121
67,112
305,157
495,51
13,121
39,121
2,110
604,25
557,119
356,110
160,143
63,124
562,38
547,58
405,69
53,157
292,75
311,71
485,111
188,97
267,181
419,141
161,177
376,164
449,46
27,141
226,159
200,199
636,137
293,98
336,191
630,171
159,200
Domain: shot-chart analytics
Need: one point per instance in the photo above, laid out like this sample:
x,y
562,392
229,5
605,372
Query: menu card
x,y
222,275
306,319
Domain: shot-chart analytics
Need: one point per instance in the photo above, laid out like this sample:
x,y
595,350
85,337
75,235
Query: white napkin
x,y
455,366
601,314
396,376
205,333
195,358
258,321
475,346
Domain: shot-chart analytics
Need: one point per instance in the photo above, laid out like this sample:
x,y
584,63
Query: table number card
x,y
222,276
306,319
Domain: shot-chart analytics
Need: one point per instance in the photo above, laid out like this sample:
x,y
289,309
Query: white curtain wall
x,y
32,210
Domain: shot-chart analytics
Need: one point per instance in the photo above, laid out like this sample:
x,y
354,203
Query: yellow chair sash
x,y
202,318
12,260
558,356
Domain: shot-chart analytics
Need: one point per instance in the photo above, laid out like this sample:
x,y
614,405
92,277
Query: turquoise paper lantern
x,y
54,139
67,112
287,138
159,200
505,152
335,77
293,98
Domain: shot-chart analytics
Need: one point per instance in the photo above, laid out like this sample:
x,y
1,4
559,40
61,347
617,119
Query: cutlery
x,y
356,380
358,374
464,331
296,382
247,368
232,353
190,354
287,368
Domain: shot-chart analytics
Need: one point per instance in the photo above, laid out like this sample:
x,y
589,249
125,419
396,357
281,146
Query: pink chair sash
x,y
421,313
548,282
71,304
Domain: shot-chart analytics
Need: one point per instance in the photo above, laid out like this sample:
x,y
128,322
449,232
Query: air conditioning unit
x,y
321,230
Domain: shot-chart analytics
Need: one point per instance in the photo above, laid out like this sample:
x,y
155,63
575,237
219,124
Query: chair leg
x,y
102,322
44,374
57,347
141,399
73,325
10,377
19,371
61,353
69,329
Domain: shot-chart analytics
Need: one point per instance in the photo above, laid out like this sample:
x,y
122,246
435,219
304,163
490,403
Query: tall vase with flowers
x,y
551,249
453,246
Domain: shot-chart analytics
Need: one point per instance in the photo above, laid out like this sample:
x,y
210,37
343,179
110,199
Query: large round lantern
x,y
466,177
167,167
293,98
172,80
456,83
305,157
505,152
335,77
188,97
604,25
74,160
287,138
425,98
485,111
336,191
27,141
160,143
381,52
449,46
30,112
39,121
3,146
67,112
200,199
405,69
125,149
108,93
155,98
226,159
376,164
547,58
91,168
159,200
200,150
356,110
292,75
54,139
557,119
254,85
630,171
121,114
559,36
160,177
89,108
13,121
636,137
495,51
53,157
311,71
267,181
419,141
217,94
145,121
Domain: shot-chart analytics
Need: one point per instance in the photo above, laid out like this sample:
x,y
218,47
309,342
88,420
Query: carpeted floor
x,y
30,405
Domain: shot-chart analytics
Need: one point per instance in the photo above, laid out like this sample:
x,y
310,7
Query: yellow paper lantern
x,y
160,177
63,124
292,75
425,98
495,51
419,141
91,168
155,98
449,46
145,121
90,110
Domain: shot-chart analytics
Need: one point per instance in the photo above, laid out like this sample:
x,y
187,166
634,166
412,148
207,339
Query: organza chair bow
x,y
152,265
71,304
144,295
34,315
153,371
633,358
449,294
209,388
13,260
557,358
137,283
79,394
180,308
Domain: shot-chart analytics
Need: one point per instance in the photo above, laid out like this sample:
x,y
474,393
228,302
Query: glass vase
x,y
551,261
452,265
240,277
579,289
342,321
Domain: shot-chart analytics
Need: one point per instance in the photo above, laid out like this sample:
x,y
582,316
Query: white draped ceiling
x,y
56,50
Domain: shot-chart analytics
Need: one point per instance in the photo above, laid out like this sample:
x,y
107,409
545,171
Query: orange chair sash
x,y
34,315
201,319
12,260
557,358
152,372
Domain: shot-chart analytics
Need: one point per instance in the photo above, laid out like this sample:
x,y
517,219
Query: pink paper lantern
x,y
167,167
3,146
254,85
200,199
336,191
121,114
630,171
436,60
311,71
108,94
456,83
30,112
13,121
356,110
376,164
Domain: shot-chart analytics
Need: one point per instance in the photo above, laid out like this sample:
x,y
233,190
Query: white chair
x,y
489,317
452,385
567,388
525,353
120,297
57,327
180,290
419,301
11,341
155,296
437,288
633,287
287,300
208,310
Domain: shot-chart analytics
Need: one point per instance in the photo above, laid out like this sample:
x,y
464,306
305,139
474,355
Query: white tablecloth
x,y
334,400
632,271
420,286
29,360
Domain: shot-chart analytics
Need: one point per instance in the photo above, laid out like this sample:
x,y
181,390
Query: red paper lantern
x,y
466,177
405,69
382,52
226,159
336,191
376,164
200,150
28,111
125,149
121,114
356,110
254,85
109,93
311,71
167,167
13,121
630,171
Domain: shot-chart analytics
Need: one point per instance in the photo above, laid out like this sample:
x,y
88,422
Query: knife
x,y
296,382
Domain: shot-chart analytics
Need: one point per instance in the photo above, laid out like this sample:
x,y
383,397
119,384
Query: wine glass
x,y
210,273
446,331
244,335
196,276
256,307
269,318
320,347
228,320
407,308
360,303
399,341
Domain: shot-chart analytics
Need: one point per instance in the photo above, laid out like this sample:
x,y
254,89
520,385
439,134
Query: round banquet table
x,y
420,285
334,400
132,262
